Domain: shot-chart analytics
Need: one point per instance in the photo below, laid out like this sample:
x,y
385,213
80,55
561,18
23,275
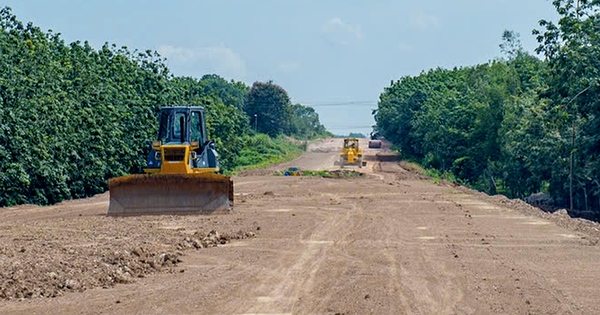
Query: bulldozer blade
x,y
158,194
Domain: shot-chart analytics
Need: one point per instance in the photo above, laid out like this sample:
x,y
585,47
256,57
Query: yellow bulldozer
x,y
351,153
180,174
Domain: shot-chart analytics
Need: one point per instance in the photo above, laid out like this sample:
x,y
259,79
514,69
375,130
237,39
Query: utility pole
x,y
255,123
571,172
573,138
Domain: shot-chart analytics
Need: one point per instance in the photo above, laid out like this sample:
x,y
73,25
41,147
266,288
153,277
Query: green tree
x,y
268,105
511,44
305,123
453,120
571,47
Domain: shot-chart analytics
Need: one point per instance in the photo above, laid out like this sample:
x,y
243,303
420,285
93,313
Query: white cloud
x,y
338,31
212,59
289,66
423,21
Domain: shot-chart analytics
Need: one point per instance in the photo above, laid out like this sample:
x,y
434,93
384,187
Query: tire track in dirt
x,y
297,279
426,286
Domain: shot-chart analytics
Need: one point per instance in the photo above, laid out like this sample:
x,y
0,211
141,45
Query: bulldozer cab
x,y
351,143
181,125
182,146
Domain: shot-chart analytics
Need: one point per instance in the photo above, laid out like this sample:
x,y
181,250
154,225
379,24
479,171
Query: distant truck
x,y
375,141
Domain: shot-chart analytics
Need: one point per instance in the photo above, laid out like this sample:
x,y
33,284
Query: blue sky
x,y
320,51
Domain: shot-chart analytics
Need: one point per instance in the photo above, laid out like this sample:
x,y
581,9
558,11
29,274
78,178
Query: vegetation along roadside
x,y
518,125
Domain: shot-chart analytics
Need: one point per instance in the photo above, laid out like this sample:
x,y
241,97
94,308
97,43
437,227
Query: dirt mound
x,y
387,157
401,171
323,173
212,239
47,258
560,217
561,214
255,172
33,272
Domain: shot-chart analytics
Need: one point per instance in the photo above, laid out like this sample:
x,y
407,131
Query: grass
x,y
435,174
261,151
413,166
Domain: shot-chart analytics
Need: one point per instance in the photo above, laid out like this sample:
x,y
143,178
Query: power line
x,y
348,127
344,105
349,103
337,102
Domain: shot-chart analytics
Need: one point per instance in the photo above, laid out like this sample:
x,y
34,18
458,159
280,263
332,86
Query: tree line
x,y
518,125
72,116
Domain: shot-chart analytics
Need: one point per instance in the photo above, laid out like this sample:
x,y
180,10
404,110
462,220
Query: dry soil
x,y
389,242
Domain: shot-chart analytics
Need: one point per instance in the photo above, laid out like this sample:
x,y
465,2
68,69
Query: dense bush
x,y
261,150
71,117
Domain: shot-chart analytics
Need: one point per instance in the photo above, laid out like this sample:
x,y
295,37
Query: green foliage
x,y
511,44
305,124
459,121
352,135
269,107
260,151
572,48
507,126
72,117
437,175
356,135
231,93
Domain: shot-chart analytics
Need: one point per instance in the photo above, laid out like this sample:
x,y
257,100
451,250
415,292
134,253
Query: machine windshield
x,y
351,144
171,127
163,130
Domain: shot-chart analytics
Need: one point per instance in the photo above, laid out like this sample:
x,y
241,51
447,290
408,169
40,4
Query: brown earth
x,y
390,242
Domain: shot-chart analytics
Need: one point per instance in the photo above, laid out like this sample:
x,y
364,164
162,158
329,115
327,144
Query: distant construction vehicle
x,y
180,171
375,141
351,153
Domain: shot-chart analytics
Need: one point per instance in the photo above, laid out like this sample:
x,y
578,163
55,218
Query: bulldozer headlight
x,y
156,144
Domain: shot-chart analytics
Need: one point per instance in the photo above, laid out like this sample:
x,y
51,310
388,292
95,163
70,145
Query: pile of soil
x,y
47,258
323,174
560,217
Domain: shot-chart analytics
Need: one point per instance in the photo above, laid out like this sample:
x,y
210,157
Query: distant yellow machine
x,y
351,153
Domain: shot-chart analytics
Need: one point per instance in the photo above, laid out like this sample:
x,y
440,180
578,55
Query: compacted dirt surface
x,y
388,242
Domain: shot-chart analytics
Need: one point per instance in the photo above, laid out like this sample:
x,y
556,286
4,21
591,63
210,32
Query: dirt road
x,y
388,242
